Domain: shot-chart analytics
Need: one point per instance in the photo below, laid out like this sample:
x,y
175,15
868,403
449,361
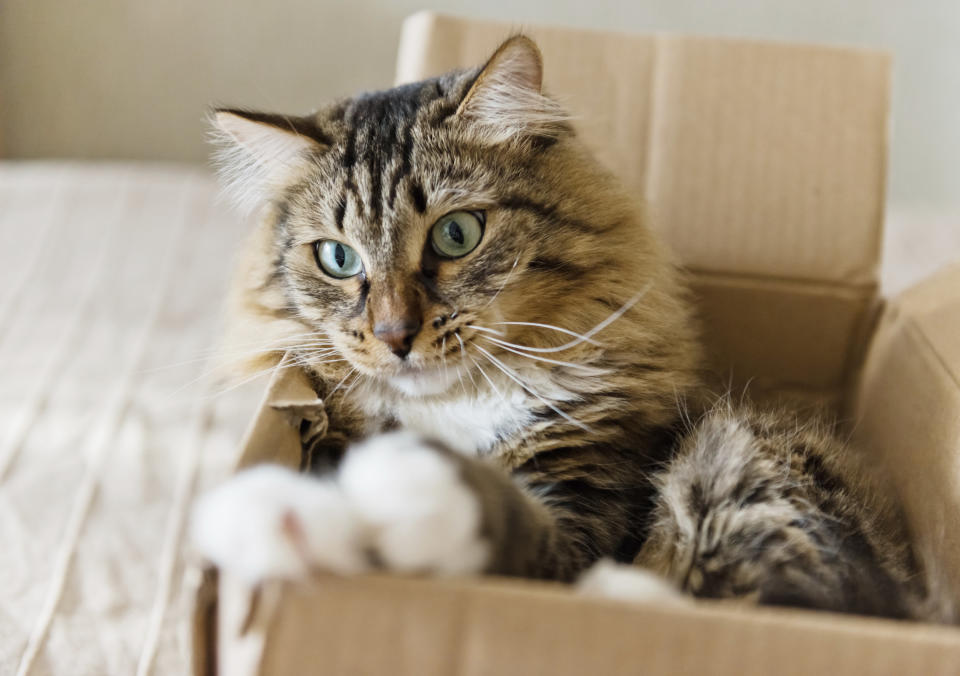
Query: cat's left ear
x,y
505,100
260,154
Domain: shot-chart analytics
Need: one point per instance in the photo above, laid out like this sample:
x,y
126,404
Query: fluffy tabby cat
x,y
485,314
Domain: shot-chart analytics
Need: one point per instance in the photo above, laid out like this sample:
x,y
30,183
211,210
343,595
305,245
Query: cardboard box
x,y
764,168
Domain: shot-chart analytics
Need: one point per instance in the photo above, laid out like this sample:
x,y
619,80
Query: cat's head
x,y
406,225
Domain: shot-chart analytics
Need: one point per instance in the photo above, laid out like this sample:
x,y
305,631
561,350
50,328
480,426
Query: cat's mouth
x,y
425,382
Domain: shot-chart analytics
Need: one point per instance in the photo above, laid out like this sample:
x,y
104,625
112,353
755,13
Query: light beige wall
x,y
132,78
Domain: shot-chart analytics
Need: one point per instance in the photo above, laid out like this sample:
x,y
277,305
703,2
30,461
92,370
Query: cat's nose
x,y
398,335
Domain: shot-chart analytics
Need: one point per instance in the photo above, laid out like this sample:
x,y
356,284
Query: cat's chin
x,y
424,382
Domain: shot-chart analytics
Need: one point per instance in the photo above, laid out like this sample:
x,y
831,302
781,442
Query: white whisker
x,y
231,354
513,376
551,327
462,386
209,372
278,367
463,350
351,371
592,369
585,338
488,330
353,383
309,336
484,374
443,356
507,279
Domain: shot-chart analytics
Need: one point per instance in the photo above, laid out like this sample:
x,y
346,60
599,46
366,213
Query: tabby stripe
x,y
813,466
406,161
544,211
350,153
418,197
278,268
340,212
376,188
441,113
565,268
357,309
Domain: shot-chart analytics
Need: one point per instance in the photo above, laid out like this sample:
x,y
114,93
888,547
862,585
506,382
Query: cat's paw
x,y
420,514
270,522
397,502
628,583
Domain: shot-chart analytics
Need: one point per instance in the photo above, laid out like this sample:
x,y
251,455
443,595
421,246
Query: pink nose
x,y
398,335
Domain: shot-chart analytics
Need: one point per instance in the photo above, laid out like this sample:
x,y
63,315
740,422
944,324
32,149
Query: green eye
x,y
337,259
457,234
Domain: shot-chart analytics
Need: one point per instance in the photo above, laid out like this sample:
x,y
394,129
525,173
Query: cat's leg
x,y
748,511
397,502
608,579
404,504
272,522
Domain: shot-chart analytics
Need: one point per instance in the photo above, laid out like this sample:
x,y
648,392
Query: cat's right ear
x,y
259,154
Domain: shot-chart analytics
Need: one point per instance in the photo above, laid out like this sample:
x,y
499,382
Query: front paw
x,y
270,522
622,582
420,514
397,503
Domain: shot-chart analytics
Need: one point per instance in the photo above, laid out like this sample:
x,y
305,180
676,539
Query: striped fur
x,y
551,360
766,507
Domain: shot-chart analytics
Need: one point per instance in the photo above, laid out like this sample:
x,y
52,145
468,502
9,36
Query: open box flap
x,y
908,411
275,434
222,607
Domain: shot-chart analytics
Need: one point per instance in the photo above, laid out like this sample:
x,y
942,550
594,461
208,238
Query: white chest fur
x,y
469,423
469,412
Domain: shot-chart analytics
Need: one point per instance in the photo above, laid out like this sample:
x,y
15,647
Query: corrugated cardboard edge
x,y
203,622
272,436
908,413
406,626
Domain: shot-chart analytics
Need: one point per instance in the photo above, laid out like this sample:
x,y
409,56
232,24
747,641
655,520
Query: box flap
x,y
275,432
759,158
783,337
397,626
908,413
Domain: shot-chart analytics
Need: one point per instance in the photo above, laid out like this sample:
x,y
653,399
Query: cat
x,y
506,354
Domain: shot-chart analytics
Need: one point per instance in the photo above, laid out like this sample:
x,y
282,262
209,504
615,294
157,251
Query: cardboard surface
x,y
783,336
495,627
764,164
908,412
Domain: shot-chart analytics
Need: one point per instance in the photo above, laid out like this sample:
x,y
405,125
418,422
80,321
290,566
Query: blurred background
x,y
131,79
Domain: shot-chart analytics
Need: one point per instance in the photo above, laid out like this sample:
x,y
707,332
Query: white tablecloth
x,y
111,279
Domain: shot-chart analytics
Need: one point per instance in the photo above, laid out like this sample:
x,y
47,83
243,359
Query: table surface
x,y
111,280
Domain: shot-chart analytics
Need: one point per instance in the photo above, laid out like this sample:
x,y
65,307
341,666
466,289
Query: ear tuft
x,y
258,154
505,99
